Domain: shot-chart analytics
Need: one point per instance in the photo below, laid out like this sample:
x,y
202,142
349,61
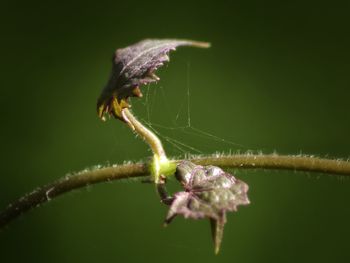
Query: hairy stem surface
x,y
117,172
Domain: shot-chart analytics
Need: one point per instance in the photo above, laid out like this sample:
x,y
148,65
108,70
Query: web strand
x,y
151,100
177,144
188,94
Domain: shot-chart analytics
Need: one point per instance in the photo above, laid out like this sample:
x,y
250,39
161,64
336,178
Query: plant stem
x,y
69,183
153,141
117,172
160,166
280,162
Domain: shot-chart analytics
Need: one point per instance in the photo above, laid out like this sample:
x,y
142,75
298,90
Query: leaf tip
x,y
217,231
201,44
217,250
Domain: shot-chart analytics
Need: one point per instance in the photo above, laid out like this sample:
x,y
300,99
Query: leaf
x,y
209,193
134,66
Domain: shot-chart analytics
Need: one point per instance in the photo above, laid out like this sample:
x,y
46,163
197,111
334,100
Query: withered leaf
x,y
133,66
209,193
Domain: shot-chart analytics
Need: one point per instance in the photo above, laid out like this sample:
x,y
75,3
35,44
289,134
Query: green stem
x,y
69,183
117,172
153,141
160,165
280,162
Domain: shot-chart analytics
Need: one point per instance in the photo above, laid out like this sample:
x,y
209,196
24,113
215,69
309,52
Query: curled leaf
x,y
209,193
134,66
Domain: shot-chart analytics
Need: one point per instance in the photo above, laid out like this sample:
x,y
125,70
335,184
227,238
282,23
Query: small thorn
x,y
101,110
153,76
169,219
137,92
166,57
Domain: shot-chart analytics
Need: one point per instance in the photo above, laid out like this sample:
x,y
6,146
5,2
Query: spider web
x,y
199,138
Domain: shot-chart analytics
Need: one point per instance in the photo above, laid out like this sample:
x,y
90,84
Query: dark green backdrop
x,y
276,79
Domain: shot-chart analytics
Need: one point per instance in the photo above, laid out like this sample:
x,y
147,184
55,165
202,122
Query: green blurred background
x,y
276,79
